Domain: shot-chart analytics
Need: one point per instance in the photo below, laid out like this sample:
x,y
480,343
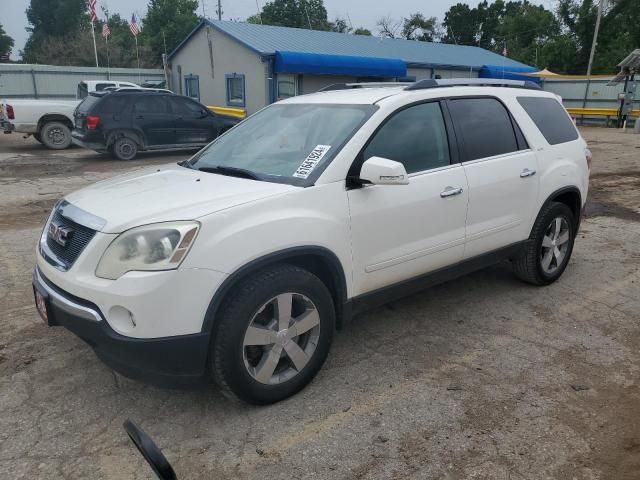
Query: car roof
x,y
360,94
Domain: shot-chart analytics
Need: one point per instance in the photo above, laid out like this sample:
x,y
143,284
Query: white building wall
x,y
229,57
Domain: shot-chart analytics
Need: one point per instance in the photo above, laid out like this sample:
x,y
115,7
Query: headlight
x,y
160,246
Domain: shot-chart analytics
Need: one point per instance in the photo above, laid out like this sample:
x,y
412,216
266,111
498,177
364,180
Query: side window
x,y
551,119
182,106
485,126
151,104
192,86
112,105
235,89
415,136
101,86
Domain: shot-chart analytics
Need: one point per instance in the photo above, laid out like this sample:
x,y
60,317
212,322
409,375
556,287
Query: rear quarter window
x,y
551,119
88,103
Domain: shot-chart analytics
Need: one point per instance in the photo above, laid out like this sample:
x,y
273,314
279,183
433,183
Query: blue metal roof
x,y
320,63
267,40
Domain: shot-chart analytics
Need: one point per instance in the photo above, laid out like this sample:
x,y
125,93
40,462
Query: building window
x,y
192,86
235,89
287,86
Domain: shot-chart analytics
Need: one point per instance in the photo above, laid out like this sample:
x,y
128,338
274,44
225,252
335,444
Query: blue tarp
x,y
323,64
507,73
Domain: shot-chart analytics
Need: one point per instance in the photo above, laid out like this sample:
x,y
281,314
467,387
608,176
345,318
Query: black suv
x,y
126,121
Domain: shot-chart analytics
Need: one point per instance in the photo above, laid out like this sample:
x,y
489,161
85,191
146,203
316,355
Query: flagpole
x,y
138,58
106,39
95,48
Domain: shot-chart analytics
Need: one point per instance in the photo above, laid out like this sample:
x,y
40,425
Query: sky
x,y
361,13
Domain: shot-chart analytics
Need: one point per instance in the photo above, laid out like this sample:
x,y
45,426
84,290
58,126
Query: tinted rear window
x,y
551,119
88,103
113,104
485,126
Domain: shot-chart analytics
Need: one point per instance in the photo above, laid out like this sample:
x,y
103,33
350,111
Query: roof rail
x,y
347,86
472,82
137,89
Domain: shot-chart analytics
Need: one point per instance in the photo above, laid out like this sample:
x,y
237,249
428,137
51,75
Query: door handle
x,y
451,191
527,173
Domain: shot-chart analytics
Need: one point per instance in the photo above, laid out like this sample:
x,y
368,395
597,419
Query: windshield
x,y
286,143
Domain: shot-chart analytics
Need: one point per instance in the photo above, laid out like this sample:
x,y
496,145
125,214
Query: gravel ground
x,y
480,378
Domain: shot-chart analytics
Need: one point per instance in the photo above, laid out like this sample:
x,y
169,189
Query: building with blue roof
x,y
248,66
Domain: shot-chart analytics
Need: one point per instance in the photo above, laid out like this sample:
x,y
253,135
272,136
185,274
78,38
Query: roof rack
x,y
347,86
472,82
137,89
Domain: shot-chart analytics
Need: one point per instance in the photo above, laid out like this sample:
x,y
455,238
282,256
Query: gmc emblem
x,y
59,234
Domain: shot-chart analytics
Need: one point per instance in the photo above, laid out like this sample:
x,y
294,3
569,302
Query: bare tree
x,y
388,27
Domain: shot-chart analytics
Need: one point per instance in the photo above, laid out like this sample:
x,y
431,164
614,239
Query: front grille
x,y
77,239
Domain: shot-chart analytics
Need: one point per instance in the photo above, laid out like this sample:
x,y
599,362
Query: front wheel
x,y
549,247
272,335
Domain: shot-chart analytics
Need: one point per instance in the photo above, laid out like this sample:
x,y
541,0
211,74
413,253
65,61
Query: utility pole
x,y
595,37
219,10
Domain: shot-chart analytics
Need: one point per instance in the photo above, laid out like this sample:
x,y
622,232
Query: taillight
x,y
589,157
10,114
92,122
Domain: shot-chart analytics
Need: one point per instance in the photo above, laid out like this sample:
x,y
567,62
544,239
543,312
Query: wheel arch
x,y
116,133
571,197
53,117
320,261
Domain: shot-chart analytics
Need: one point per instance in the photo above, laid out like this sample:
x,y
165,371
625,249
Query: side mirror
x,y
382,171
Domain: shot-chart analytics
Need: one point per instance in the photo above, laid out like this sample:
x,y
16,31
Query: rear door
x,y
194,124
501,171
152,116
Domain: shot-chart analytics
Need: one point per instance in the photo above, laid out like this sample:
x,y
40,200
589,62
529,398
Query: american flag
x,y
91,4
106,31
133,26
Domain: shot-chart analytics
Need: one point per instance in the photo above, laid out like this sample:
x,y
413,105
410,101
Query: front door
x,y
403,231
501,171
152,116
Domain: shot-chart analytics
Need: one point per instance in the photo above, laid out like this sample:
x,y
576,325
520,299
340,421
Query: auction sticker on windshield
x,y
312,160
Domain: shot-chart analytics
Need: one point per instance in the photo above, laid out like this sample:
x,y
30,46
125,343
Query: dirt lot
x,y
480,378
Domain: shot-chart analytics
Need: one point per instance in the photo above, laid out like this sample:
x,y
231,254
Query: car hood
x,y
168,193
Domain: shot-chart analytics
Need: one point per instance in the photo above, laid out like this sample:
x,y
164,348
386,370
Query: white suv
x,y
239,263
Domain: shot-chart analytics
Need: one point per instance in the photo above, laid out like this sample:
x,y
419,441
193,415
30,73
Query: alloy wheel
x,y
555,245
281,338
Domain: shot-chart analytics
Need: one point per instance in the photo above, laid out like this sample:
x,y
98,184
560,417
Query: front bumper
x,y
168,361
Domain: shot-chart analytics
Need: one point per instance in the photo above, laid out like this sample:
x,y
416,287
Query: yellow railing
x,y
599,112
231,111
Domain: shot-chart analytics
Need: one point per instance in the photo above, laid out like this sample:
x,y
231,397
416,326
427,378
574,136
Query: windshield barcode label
x,y
309,163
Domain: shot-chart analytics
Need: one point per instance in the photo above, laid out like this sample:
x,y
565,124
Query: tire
x,y
239,366
37,137
125,148
55,135
547,255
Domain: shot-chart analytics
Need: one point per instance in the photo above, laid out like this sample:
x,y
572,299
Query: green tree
x,y
170,21
340,25
417,27
6,45
461,25
294,13
362,31
50,19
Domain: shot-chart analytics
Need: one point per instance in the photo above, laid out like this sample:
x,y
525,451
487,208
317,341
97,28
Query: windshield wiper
x,y
231,172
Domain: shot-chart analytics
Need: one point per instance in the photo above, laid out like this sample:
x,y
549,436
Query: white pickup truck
x,y
50,121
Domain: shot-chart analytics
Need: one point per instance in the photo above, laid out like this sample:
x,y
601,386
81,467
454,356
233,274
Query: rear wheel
x,y
550,246
125,148
55,135
272,335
